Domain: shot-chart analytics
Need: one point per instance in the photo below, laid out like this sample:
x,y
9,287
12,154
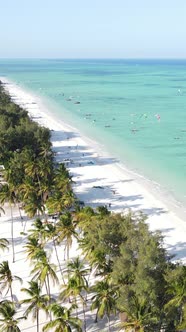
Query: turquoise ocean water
x,y
136,109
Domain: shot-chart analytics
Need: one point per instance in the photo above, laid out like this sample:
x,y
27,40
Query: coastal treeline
x,y
134,276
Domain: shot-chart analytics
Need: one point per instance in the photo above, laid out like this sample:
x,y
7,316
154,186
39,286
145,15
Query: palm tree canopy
x,y
7,194
78,271
44,268
139,315
63,320
32,247
6,277
71,289
176,291
105,297
7,321
35,299
66,228
38,231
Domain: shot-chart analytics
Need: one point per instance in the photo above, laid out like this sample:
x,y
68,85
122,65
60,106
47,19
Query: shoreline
x,y
100,179
168,198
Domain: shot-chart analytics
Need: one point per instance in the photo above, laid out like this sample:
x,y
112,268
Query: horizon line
x,y
89,58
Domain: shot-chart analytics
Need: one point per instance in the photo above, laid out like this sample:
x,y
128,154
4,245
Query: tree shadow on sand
x,y
101,325
96,192
154,211
178,250
79,154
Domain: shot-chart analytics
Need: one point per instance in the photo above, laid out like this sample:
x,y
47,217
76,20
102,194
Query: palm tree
x,y
69,199
32,247
7,194
27,188
77,284
30,195
14,172
63,320
33,205
6,278
62,177
7,321
33,170
14,175
40,170
61,200
84,217
104,299
71,291
46,152
36,301
44,271
46,169
96,256
78,271
177,290
55,202
138,314
38,231
66,231
51,233
62,197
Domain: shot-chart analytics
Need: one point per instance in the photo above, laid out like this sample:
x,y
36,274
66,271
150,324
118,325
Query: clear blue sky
x,y
93,28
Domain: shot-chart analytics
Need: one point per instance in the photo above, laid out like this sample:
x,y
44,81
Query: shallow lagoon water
x,y
136,109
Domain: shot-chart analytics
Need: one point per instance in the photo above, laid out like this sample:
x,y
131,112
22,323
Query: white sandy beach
x,y
90,170
98,181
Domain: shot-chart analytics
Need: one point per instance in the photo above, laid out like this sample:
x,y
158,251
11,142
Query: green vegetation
x,y
8,322
36,301
6,278
134,275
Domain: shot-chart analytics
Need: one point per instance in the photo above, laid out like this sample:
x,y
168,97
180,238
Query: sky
x,y
93,29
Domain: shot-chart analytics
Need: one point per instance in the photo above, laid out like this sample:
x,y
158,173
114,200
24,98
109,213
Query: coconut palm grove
x,y
136,282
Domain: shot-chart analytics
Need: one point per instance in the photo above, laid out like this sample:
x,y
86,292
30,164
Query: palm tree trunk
x,y
12,235
46,287
54,242
39,182
24,227
44,213
84,316
75,301
68,252
37,319
11,293
48,282
20,214
42,201
67,246
108,323
96,318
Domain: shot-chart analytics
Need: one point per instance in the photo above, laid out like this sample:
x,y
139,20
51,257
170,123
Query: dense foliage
x,y
134,273
26,154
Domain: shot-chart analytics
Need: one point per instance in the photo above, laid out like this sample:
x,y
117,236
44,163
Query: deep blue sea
x,y
136,109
